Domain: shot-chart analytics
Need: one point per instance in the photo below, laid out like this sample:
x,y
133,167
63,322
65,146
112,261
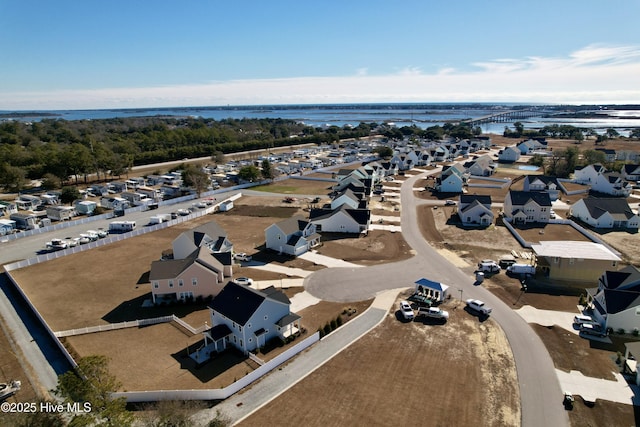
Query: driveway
x,y
540,391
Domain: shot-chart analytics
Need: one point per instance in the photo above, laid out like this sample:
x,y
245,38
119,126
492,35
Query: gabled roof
x,y
238,302
545,179
472,205
521,198
470,198
361,216
632,169
293,225
618,301
170,269
616,207
628,277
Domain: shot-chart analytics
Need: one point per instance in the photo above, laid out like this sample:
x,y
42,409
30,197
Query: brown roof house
x,y
200,274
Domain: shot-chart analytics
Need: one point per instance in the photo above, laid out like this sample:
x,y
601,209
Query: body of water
x,y
421,115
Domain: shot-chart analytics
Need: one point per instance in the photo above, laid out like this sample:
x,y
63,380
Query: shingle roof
x,y
239,302
470,198
292,225
520,198
615,206
170,269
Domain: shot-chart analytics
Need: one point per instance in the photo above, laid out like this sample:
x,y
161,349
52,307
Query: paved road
x,y
540,391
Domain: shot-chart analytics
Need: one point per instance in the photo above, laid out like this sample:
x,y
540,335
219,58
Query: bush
x,y
339,320
327,329
334,325
321,331
620,331
636,332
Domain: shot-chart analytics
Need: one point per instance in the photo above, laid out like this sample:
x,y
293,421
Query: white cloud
x,y
594,74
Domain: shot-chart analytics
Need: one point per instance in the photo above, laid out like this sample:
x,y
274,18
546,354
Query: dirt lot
x,y
421,377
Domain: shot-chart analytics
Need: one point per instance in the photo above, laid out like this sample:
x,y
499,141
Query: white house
x,y
247,319
349,198
527,206
293,236
530,145
475,210
434,291
341,220
547,184
605,213
611,183
452,179
616,300
482,166
509,154
631,172
588,174
200,274
210,235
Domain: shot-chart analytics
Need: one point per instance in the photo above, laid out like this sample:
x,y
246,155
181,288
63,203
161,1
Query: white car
x,y
406,310
479,306
449,202
243,281
241,256
433,312
183,212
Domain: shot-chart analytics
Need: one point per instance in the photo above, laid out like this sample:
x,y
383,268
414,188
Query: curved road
x,y
540,393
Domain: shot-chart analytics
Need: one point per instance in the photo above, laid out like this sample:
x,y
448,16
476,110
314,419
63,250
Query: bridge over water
x,y
504,116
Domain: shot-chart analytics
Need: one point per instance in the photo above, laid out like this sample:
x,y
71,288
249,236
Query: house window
x,y
249,325
556,260
265,317
156,285
241,344
240,328
614,263
235,339
572,260
250,339
171,283
194,281
180,282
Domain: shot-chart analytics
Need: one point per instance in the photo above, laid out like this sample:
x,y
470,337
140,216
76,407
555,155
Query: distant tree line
x,y
564,132
562,163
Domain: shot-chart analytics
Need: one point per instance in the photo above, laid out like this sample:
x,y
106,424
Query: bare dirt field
x,y
375,248
420,377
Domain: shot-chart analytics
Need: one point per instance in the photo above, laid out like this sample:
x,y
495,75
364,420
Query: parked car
x,y
71,242
581,319
57,244
478,306
488,266
9,389
433,312
406,311
241,256
592,329
243,281
183,212
82,239
449,202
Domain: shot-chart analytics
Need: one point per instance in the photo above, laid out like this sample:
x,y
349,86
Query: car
x,y
57,244
581,319
449,202
592,329
406,311
243,281
71,242
241,256
183,212
478,306
552,214
488,266
82,239
433,312
200,205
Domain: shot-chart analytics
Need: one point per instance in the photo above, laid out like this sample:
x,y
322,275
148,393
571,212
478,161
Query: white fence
x,y
121,325
220,393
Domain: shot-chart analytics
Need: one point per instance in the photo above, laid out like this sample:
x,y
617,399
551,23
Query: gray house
x,y
293,236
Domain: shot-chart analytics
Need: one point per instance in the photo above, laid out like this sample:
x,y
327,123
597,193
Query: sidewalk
x,y
316,258
245,403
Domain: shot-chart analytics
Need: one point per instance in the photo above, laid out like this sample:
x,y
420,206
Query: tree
x,y
383,151
612,133
12,178
635,133
249,173
69,194
195,177
92,383
266,171
591,157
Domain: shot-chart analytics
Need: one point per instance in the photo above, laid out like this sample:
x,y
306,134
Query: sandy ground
x,y
422,376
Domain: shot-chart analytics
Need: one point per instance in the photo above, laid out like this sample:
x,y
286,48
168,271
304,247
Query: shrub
x,y
327,328
620,331
636,332
321,332
339,320
334,324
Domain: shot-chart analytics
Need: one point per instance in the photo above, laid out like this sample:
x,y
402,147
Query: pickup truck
x,y
433,312
478,306
488,266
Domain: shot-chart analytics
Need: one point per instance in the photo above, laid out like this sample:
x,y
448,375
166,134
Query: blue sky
x,y
117,54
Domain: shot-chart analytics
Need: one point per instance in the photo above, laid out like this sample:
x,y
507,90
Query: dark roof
x,y
632,169
597,206
239,302
618,300
361,216
219,332
627,278
288,319
546,179
469,198
520,198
